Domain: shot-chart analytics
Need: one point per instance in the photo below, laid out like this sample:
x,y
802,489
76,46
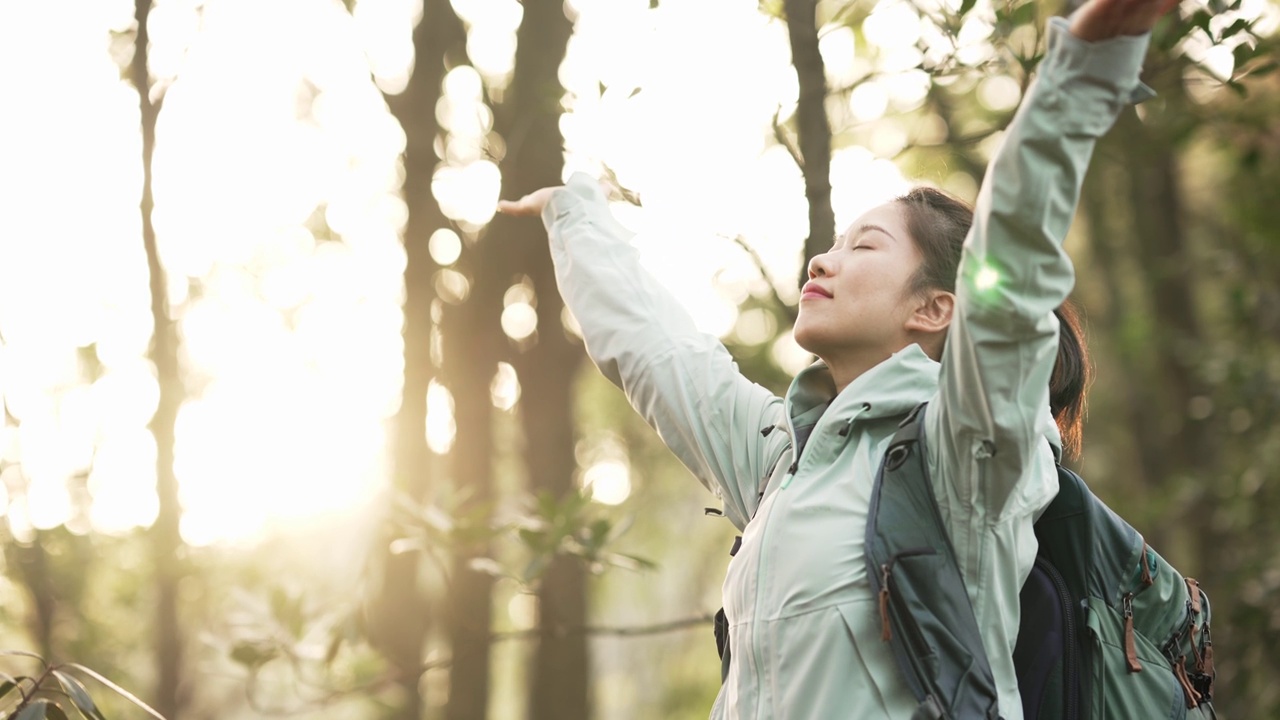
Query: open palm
x,y
530,204
1105,19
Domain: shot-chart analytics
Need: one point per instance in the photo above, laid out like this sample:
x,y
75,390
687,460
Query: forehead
x,y
889,217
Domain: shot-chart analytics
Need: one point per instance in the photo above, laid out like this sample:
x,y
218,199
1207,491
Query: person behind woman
x,y
897,315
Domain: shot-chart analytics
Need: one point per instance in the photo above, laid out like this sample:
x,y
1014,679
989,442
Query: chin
x,y
807,339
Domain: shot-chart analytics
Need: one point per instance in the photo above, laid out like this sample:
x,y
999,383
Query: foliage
x,y
1183,437
55,692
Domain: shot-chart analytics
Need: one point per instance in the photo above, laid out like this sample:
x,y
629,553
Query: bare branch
x,y
609,630
788,310
785,140
618,189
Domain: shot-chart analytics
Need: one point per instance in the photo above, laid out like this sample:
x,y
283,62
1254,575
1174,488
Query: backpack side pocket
x,y
1117,692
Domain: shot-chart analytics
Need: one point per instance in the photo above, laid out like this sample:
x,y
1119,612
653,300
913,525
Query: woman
x,y
894,323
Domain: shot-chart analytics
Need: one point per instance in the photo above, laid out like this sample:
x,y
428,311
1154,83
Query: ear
x,y
933,313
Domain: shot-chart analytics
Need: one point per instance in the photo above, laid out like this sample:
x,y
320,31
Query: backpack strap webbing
x,y
928,619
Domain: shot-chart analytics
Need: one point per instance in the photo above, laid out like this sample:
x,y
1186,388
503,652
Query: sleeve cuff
x,y
581,188
1115,62
581,203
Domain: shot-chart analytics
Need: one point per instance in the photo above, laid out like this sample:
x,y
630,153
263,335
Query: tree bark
x,y
401,623
166,539
1155,196
560,675
473,343
812,127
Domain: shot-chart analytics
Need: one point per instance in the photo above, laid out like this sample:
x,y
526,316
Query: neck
x,y
847,368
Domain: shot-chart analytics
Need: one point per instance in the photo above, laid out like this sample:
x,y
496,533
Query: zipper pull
x,y
1195,648
885,631
1188,690
1130,645
1193,592
1206,657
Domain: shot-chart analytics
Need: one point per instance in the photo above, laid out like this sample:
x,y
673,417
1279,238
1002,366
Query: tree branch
x,y
787,310
786,141
609,630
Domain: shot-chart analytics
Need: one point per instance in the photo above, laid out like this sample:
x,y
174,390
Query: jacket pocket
x,y
862,621
1118,693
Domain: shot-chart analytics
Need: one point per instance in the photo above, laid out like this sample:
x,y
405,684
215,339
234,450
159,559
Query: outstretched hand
x,y
530,204
1106,19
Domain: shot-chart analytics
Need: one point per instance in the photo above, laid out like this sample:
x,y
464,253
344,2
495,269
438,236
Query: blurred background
x,y
294,426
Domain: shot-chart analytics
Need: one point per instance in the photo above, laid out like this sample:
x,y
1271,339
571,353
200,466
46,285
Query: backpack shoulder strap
x,y
927,617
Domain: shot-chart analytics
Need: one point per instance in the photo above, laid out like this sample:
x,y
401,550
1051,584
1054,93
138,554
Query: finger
x,y
511,207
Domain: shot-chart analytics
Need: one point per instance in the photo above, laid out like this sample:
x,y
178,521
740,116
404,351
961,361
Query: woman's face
x,y
857,301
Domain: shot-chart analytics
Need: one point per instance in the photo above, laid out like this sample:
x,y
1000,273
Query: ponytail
x,y
1071,376
938,223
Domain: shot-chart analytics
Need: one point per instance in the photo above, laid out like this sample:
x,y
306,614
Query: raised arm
x,y
682,381
990,423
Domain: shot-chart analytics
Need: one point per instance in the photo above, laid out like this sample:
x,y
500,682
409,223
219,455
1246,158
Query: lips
x,y
813,290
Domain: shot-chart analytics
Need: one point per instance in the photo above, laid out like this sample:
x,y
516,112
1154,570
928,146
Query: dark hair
x,y
1072,373
938,223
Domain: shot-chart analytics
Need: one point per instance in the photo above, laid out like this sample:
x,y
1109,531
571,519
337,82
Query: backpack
x,y
1109,630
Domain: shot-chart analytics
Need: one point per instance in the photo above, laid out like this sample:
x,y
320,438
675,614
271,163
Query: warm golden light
x,y
277,173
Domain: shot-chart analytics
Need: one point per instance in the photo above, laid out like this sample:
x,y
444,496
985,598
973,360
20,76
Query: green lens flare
x,y
986,278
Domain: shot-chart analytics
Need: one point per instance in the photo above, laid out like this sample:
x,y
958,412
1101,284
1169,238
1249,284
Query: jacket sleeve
x,y
988,428
682,381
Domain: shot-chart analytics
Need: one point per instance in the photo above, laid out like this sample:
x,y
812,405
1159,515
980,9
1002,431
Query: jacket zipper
x,y
756,659
1070,664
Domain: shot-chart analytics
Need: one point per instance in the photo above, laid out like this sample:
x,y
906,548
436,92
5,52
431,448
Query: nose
x,y
820,266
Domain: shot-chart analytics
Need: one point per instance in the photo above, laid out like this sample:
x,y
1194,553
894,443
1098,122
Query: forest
x,y
295,425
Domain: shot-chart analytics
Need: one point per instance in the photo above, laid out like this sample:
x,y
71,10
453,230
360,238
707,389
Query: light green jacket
x,y
804,626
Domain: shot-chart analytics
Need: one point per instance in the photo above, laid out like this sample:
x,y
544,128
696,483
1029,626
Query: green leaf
x,y
632,562
1235,28
1242,54
335,644
1201,19
966,6
536,540
79,695
1024,13
55,712
254,654
35,711
7,687
1265,68
23,653
287,610
117,689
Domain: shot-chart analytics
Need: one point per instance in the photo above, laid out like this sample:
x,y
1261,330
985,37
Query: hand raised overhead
x,y
529,205
1105,19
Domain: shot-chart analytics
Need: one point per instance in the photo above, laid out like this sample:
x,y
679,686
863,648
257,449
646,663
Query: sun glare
x,y
277,173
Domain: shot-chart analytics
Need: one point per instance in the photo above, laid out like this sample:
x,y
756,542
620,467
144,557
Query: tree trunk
x,y
812,127
473,342
165,537
560,677
1156,199
402,619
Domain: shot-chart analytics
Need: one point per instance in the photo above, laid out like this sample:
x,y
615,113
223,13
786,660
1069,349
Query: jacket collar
x,y
890,389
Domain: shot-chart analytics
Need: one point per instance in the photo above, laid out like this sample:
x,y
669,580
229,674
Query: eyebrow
x,y
862,229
